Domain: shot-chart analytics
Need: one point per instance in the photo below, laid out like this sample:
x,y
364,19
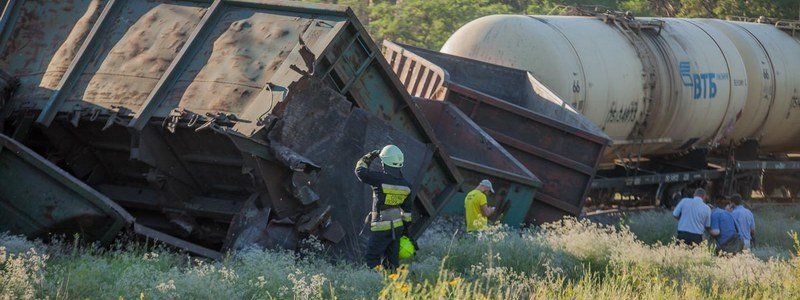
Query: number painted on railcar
x,y
622,113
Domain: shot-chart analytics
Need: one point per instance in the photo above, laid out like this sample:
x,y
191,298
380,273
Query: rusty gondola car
x,y
214,124
554,142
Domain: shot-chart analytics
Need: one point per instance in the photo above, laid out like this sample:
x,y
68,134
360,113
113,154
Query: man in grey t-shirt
x,y
694,216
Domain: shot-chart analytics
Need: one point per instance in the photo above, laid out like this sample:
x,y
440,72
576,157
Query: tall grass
x,y
571,259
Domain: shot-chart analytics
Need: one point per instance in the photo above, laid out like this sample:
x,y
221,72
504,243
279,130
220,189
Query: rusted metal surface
x,y
37,47
555,143
175,108
478,156
39,199
7,85
335,135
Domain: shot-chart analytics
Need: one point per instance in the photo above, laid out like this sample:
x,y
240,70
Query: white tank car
x,y
694,83
772,59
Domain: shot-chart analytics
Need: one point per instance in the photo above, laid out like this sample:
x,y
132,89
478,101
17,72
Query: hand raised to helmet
x,y
369,157
372,155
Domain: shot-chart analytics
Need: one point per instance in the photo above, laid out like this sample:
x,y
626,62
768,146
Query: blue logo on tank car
x,y
704,85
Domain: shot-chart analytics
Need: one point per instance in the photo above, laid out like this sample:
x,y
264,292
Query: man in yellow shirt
x,y
476,208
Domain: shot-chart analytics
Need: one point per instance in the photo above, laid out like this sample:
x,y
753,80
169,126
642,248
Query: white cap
x,y
488,184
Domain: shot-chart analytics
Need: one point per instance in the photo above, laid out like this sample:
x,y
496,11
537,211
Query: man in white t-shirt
x,y
694,217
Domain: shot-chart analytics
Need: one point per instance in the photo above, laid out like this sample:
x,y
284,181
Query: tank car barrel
x,y
694,82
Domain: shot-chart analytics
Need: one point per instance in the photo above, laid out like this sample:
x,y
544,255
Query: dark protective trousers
x,y
384,248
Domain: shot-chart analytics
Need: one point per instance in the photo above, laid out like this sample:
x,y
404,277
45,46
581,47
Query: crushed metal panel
x,y
354,66
551,140
478,156
39,199
322,125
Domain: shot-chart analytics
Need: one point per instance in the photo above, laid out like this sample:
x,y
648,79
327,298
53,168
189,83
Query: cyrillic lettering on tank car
x,y
703,85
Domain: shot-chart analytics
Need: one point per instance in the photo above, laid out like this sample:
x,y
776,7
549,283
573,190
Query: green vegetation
x,y
428,23
570,260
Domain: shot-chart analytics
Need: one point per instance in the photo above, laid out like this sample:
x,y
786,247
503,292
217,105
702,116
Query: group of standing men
x,y
729,223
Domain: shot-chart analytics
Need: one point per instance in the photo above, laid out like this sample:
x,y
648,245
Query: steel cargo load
x,y
218,122
554,142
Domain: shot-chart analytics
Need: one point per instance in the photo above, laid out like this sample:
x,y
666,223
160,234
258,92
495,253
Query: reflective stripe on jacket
x,y
390,192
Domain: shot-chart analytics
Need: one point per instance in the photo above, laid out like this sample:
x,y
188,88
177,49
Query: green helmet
x,y
392,156
406,248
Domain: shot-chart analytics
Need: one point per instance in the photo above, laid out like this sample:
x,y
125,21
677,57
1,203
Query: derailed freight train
x,y
209,125
214,125
684,100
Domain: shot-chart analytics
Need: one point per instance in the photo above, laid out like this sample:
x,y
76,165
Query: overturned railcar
x,y
554,142
478,156
211,124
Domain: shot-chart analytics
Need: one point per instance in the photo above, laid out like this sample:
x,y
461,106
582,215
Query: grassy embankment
x,y
573,260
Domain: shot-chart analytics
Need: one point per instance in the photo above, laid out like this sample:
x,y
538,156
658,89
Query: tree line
x,y
428,23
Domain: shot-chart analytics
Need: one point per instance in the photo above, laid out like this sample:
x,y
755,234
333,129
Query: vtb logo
x,y
704,85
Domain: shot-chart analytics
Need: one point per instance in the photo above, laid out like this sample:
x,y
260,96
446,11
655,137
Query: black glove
x,y
367,159
373,154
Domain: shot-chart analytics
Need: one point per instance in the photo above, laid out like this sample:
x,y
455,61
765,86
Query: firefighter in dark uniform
x,y
391,208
